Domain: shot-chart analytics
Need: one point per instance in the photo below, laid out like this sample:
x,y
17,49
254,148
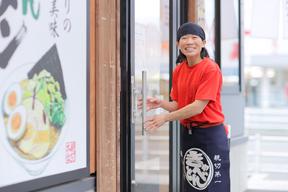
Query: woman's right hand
x,y
151,102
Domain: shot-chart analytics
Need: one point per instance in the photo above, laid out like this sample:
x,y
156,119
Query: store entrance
x,y
149,77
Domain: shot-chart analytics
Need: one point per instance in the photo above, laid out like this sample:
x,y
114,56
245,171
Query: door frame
x,y
125,95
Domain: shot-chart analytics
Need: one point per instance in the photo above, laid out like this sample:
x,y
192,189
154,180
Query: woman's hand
x,y
155,122
151,102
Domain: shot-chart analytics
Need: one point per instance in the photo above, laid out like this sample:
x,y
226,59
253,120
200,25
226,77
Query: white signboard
x,y
43,89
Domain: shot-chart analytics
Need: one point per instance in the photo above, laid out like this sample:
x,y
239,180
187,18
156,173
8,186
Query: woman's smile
x,y
190,49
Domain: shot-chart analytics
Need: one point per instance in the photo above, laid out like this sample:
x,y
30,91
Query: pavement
x,y
267,149
268,182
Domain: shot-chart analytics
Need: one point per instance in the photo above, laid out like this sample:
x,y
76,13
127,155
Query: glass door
x,y
149,77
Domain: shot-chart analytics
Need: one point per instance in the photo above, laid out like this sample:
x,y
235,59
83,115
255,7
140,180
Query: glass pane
x,y
230,42
151,155
266,96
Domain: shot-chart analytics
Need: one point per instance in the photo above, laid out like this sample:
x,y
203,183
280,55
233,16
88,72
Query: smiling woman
x,y
196,87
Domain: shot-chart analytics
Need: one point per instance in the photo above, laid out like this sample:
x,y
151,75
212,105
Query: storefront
x,y
151,161
107,54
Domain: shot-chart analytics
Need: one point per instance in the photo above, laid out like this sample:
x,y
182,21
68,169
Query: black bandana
x,y
190,28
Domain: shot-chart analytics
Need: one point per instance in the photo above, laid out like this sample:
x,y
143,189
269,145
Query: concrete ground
x,y
268,182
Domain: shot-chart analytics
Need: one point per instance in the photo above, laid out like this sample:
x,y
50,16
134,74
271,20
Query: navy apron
x,y
205,160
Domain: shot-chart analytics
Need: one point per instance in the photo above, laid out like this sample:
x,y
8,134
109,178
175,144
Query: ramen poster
x,y
43,68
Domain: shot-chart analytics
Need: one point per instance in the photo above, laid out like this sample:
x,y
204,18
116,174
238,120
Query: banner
x,y
43,89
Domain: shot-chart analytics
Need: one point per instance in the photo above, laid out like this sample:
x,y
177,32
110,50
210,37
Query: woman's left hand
x,y
155,122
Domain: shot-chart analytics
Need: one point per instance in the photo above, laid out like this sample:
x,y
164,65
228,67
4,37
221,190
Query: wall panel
x,y
107,95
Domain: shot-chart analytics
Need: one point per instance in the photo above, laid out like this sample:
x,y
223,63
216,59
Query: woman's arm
x,y
169,105
154,103
190,110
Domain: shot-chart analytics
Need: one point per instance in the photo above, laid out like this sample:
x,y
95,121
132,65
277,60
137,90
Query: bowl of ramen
x,y
33,115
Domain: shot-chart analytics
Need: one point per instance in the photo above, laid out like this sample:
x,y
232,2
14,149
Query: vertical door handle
x,y
144,98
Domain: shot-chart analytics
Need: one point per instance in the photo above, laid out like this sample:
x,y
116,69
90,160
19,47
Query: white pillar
x,y
265,90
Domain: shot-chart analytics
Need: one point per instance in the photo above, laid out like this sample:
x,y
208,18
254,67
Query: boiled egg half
x,y
16,125
12,98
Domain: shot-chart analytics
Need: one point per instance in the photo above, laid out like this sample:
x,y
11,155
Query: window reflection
x,y
230,42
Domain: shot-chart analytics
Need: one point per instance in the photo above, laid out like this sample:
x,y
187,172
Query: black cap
x,y
192,29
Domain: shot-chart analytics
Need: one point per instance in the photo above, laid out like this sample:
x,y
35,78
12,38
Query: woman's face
x,y
191,45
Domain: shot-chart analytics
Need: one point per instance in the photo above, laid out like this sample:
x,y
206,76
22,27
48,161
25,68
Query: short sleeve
x,y
210,86
174,89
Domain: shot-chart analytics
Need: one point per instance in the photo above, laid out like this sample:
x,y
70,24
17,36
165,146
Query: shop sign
x,y
43,89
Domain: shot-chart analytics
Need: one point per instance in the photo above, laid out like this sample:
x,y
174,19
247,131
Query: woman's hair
x,y
193,29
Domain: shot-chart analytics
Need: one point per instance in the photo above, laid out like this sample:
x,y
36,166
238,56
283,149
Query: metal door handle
x,y
144,98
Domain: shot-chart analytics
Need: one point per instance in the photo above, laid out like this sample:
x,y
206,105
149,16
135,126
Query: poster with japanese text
x,y
43,88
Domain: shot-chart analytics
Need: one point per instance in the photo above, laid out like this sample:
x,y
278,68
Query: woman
x,y
195,93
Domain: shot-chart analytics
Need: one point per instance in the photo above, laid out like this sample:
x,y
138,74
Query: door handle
x,y
144,98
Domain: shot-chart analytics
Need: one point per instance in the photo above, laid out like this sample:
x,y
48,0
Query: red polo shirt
x,y
202,81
